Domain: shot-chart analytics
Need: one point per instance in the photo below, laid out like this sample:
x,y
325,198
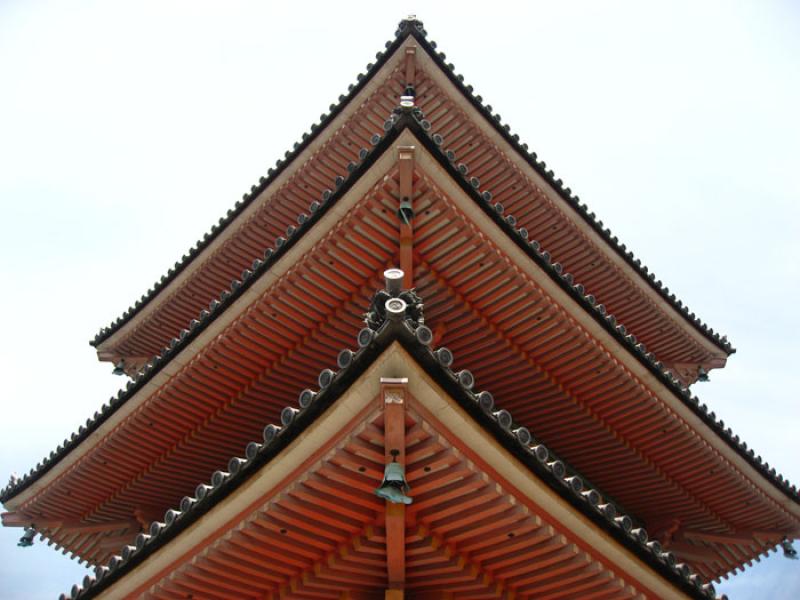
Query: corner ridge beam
x,y
393,393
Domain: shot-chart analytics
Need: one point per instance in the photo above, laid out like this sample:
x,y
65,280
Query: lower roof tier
x,y
486,517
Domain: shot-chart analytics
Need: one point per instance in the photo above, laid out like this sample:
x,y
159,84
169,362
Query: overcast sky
x,y
128,128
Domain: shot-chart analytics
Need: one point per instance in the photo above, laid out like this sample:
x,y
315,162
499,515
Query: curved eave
x,y
512,146
284,168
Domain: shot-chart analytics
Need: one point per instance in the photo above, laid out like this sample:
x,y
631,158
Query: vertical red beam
x,y
405,157
394,399
411,65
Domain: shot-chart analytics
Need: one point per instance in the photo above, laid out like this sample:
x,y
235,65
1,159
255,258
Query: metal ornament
x,y
394,487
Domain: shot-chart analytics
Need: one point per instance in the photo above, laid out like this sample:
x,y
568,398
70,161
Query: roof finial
x,y
409,24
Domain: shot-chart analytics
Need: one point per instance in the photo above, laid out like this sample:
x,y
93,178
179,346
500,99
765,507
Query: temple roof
x,y
415,30
352,364
402,128
414,122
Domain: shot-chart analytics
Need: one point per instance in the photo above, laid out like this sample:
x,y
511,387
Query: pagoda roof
x,y
416,124
375,346
414,29
396,129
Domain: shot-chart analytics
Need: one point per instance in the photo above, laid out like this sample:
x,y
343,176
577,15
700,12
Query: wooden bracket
x,y
664,530
15,519
686,372
405,157
394,394
693,553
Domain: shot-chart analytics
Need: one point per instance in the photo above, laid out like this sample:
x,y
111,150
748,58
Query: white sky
x,y
128,128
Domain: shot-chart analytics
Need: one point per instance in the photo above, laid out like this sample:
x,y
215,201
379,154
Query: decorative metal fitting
x,y
394,281
394,486
395,309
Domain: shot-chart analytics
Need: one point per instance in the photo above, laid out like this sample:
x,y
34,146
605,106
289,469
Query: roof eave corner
x,y
108,338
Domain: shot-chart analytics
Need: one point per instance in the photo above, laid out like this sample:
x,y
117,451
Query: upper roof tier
x,y
477,136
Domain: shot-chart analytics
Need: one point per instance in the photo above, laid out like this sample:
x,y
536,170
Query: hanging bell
x,y
394,486
394,281
405,211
